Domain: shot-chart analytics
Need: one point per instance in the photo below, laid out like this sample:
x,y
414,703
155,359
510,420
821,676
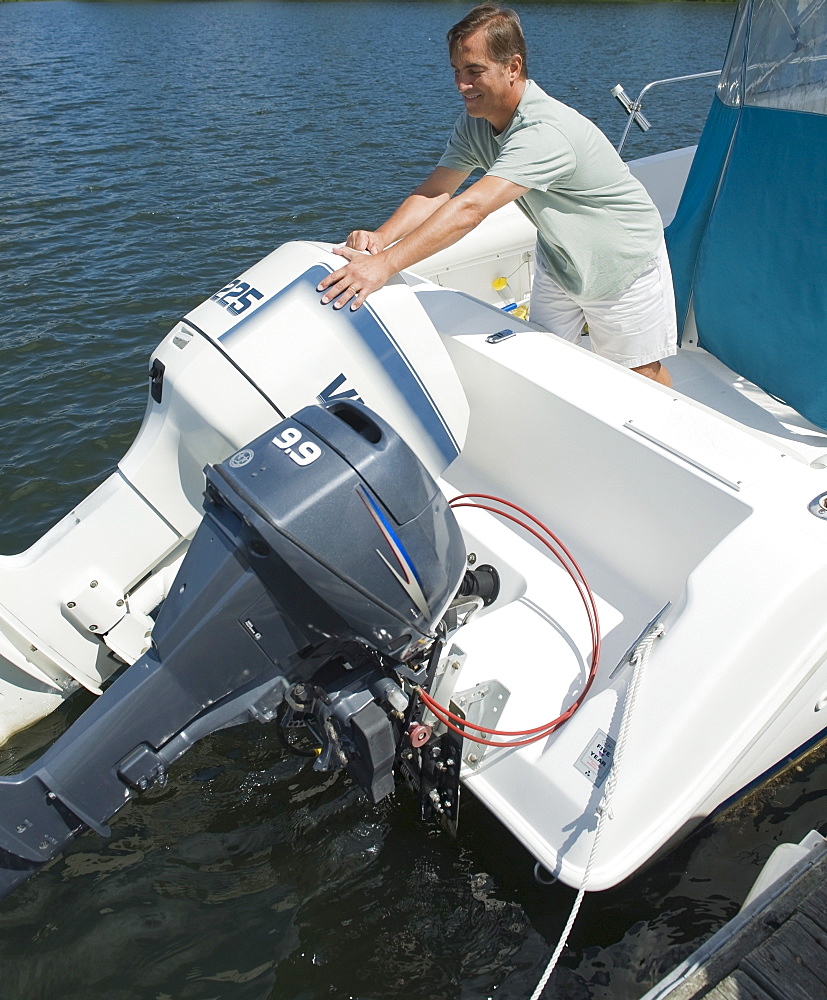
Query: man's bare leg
x,y
655,371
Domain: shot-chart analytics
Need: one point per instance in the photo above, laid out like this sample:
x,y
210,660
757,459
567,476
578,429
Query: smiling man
x,y
600,257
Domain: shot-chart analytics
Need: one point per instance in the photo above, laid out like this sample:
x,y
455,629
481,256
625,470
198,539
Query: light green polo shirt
x,y
597,227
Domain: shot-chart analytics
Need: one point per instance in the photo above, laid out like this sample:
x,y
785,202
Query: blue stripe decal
x,y
410,581
396,542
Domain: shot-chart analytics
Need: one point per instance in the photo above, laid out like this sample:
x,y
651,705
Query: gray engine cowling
x,y
344,526
325,559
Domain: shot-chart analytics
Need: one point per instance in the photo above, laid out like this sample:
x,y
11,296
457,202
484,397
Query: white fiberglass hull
x,y
662,503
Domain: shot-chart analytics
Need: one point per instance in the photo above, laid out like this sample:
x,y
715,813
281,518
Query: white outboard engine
x,y
325,560
82,600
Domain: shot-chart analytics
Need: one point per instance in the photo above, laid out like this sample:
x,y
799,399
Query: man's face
x,y
485,86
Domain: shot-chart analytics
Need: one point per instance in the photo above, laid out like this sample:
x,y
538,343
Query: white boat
x,y
697,515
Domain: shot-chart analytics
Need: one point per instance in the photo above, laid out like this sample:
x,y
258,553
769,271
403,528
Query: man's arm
x,y
422,202
440,228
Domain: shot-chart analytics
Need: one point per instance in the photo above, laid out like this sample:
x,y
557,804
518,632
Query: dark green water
x,y
148,153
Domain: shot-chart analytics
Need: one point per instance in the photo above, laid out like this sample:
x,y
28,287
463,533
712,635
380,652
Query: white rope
x,y
638,662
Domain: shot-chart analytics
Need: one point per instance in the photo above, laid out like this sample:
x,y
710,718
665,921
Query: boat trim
x,y
732,483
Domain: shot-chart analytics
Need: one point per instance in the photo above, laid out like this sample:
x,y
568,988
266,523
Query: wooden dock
x,y
774,949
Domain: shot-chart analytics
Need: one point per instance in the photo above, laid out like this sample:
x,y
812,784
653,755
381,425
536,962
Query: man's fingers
x,y
359,239
365,241
327,281
331,289
349,252
355,281
350,294
342,288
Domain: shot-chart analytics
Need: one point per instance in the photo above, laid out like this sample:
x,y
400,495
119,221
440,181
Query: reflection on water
x,y
252,876
150,152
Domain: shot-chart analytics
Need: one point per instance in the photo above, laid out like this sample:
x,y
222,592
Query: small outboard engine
x,y
326,558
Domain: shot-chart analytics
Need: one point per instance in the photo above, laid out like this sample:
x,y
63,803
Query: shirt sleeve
x,y
458,153
537,156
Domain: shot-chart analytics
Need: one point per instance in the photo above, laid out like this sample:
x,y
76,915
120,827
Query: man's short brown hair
x,y
503,32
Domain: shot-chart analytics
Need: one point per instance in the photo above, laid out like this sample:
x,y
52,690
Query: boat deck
x,y
707,380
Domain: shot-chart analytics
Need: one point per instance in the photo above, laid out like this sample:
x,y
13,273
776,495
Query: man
x,y
601,257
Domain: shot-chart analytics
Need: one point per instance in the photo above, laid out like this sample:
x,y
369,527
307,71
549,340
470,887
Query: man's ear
x,y
515,67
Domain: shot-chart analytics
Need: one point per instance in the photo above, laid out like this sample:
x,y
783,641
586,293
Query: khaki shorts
x,y
633,328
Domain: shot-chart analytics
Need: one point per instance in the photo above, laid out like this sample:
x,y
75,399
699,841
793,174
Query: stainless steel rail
x,y
632,108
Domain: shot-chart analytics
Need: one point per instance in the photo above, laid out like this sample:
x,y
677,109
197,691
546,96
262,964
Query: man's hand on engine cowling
x,y
364,239
363,274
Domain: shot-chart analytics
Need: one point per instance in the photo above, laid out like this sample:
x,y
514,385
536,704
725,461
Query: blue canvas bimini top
x,y
748,245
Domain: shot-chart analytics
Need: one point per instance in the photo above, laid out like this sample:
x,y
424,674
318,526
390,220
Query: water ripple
x,y
151,151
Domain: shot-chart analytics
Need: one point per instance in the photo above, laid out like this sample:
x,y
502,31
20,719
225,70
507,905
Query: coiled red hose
x,y
570,565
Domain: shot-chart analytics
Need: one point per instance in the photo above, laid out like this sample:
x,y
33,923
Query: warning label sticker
x,y
596,759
